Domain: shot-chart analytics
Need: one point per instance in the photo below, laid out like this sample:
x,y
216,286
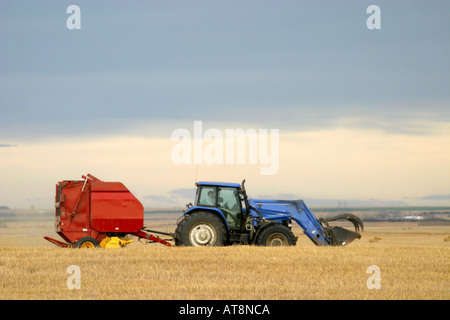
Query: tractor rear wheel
x,y
200,229
86,242
276,235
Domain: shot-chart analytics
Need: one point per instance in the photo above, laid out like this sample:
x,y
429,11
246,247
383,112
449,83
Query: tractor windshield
x,y
229,200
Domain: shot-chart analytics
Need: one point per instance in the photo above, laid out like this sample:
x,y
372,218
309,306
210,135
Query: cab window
x,y
207,196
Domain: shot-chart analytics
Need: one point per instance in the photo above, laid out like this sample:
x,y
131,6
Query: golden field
x,y
413,262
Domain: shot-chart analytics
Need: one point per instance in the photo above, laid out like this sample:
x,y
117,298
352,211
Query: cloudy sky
x,y
363,115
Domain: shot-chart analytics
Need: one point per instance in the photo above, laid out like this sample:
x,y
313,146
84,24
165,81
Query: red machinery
x,y
91,212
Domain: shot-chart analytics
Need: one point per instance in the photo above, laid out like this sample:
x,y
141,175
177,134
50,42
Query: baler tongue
x,y
342,236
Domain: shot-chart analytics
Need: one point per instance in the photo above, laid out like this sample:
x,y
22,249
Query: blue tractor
x,y
222,214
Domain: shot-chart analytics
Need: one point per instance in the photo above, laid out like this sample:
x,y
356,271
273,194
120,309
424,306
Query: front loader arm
x,y
299,212
317,230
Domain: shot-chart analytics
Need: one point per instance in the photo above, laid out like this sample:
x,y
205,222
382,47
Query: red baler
x,y
91,212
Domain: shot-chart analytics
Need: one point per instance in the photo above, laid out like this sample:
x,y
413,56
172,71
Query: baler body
x,y
97,209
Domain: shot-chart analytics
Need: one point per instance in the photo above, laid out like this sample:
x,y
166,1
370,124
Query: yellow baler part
x,y
124,242
114,242
104,242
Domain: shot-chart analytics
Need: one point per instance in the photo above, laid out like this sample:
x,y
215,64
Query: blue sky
x,y
293,65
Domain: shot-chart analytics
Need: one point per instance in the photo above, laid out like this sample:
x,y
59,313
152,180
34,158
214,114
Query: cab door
x,y
229,202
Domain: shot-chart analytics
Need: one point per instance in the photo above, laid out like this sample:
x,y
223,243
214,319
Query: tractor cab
x,y
229,198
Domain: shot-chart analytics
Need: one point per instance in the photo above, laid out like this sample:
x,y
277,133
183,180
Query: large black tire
x,y
86,242
276,234
201,228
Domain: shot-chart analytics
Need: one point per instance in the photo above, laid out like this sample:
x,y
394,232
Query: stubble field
x,y
413,263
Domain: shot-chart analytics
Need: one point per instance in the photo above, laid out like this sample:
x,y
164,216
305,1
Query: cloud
x,y
188,193
173,198
240,64
7,145
329,202
160,199
436,197
321,167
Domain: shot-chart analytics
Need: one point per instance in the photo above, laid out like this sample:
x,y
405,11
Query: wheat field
x,y
413,264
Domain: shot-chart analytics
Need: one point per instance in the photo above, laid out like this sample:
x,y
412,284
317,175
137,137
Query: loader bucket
x,y
341,236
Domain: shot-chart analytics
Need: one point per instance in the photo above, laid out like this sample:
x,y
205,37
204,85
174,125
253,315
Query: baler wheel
x,y
86,242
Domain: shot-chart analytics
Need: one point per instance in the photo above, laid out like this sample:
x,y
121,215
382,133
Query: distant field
x,y
413,261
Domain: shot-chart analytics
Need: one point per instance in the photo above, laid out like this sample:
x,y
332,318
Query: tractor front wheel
x,y
276,235
200,229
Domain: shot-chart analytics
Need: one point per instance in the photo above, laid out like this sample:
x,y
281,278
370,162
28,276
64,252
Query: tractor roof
x,y
219,184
